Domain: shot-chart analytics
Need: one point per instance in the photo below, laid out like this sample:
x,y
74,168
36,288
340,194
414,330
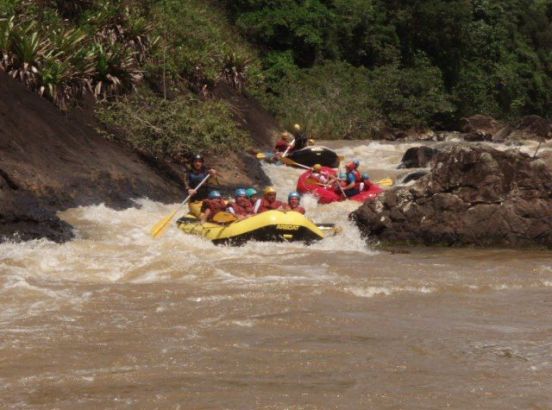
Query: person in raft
x,y
268,202
241,207
284,143
322,177
301,139
294,200
212,206
252,195
351,186
197,173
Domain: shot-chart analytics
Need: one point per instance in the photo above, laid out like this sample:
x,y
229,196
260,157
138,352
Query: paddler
x,y
197,173
212,206
351,186
321,176
284,143
294,203
252,195
301,138
241,207
268,202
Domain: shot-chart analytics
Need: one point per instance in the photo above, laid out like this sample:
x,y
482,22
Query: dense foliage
x,y
341,67
413,62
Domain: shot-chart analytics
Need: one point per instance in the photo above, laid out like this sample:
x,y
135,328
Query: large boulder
x,y
474,195
479,127
417,157
531,127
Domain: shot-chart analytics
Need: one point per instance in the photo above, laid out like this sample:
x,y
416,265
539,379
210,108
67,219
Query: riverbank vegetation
x,y
341,67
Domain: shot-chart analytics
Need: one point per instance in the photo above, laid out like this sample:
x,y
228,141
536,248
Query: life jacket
x,y
215,205
321,177
194,179
268,206
281,146
243,208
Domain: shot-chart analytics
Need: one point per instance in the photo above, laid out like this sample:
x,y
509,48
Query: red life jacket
x,y
242,208
281,146
268,206
215,205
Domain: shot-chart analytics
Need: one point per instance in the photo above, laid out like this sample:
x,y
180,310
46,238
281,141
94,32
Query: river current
x,y
115,319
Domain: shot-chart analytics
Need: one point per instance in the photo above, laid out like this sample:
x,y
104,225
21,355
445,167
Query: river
x,y
114,319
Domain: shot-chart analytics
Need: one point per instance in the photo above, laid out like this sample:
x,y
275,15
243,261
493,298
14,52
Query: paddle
x,y
288,161
291,144
385,182
160,227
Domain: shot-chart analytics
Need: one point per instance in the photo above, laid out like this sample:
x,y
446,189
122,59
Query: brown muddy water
x,y
115,319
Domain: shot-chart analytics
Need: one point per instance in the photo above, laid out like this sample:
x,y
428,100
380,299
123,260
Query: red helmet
x,y
350,166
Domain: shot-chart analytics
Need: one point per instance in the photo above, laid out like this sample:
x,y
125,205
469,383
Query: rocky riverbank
x,y
50,161
473,195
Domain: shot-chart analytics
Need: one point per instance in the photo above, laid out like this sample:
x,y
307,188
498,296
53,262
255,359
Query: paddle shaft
x,y
291,144
195,189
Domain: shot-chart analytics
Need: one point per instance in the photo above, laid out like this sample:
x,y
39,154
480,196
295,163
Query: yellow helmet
x,y
269,190
296,127
317,167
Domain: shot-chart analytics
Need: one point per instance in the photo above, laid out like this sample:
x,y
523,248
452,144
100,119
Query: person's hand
x,y
192,191
213,172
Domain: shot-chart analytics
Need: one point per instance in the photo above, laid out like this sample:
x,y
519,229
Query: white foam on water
x,y
372,291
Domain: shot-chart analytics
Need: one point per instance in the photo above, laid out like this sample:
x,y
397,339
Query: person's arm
x,y
205,215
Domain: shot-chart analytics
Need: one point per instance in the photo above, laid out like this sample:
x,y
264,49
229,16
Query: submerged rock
x,y
474,195
417,157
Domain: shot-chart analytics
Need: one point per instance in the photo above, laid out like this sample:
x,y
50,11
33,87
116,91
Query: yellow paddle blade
x,y
261,155
160,227
224,217
385,182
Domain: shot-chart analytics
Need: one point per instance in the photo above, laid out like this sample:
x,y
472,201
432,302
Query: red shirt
x,y
215,205
281,146
269,206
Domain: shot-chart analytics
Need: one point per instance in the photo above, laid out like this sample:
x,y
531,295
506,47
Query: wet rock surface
x,y
50,161
474,195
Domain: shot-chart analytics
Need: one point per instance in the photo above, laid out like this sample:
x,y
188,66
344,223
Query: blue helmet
x,y
250,192
240,192
356,162
214,195
342,176
294,195
365,176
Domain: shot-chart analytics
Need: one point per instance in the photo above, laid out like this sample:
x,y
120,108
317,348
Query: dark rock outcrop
x,y
417,157
50,161
474,195
479,127
531,127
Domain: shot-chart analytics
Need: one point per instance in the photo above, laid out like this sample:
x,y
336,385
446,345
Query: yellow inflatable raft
x,y
276,226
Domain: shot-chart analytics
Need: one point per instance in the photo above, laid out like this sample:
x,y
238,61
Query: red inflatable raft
x,y
326,195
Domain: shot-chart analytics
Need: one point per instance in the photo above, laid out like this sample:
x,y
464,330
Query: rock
x,y
417,157
413,176
481,127
531,127
52,161
474,195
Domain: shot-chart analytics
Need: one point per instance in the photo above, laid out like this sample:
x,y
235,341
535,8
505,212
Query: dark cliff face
x,y
51,161
474,195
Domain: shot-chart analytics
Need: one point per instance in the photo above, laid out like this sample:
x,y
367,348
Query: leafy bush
x,y
103,55
199,48
173,128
